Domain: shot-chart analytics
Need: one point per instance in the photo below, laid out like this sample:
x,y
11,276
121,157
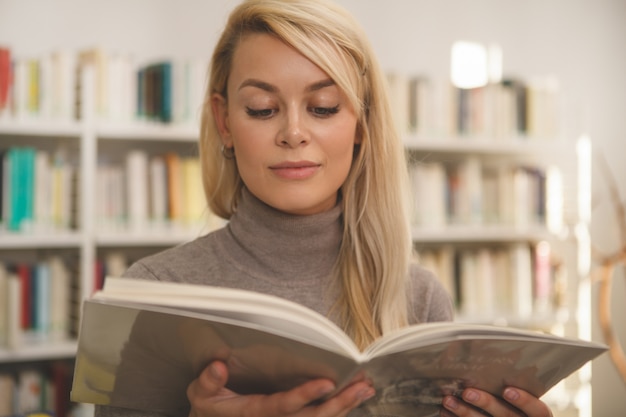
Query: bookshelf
x,y
81,241
499,201
89,245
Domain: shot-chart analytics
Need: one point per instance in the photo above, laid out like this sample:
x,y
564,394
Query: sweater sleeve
x,y
139,270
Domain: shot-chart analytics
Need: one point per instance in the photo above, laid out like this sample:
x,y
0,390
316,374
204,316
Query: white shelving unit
x,y
90,138
571,246
86,138
40,352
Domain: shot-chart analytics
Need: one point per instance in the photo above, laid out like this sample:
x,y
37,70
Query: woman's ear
x,y
219,106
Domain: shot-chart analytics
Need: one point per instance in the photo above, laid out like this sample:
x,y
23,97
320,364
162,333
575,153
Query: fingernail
x,y
326,389
451,403
215,373
511,394
366,393
471,395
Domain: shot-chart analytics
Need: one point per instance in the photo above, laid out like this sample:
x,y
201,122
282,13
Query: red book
x,y
5,76
24,273
99,273
60,375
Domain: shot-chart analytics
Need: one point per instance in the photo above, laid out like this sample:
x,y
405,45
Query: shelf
x,y
135,131
37,241
148,131
479,234
40,128
460,145
44,351
143,239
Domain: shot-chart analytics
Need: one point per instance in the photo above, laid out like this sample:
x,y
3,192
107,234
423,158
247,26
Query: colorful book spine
x,y
5,78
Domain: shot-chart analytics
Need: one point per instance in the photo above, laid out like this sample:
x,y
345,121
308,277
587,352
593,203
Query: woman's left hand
x,y
514,403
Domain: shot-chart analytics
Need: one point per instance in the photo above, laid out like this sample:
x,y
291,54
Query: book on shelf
x,y
140,339
5,78
154,97
38,190
36,390
7,388
34,302
137,189
149,193
429,107
474,191
49,87
516,281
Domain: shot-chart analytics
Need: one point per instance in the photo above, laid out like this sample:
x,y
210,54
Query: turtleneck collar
x,y
287,246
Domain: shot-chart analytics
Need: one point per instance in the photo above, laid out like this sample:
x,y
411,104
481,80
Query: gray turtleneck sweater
x,y
262,249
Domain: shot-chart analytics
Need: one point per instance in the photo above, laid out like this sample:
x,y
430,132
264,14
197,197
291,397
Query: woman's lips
x,y
297,170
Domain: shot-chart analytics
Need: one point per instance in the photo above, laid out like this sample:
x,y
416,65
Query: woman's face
x,y
292,129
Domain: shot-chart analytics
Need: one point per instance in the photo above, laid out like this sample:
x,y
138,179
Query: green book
x,y
15,193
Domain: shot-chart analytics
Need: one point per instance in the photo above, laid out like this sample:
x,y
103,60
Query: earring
x,y
228,153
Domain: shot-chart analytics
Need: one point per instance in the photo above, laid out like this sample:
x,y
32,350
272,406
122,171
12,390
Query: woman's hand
x,y
516,403
208,398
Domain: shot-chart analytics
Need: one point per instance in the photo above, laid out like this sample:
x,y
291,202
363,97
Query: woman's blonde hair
x,y
373,262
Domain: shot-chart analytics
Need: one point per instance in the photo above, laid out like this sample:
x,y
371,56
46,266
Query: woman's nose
x,y
294,132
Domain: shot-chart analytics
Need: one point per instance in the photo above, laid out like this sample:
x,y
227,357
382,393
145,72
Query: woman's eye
x,y
259,113
324,111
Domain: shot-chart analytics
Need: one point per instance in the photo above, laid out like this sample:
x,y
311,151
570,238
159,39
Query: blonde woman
x,y
299,153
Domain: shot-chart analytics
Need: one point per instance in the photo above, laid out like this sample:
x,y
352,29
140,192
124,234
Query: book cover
x,y
30,387
4,187
15,189
175,188
4,307
7,393
165,105
158,191
33,97
5,77
193,194
137,189
24,272
41,300
20,89
141,339
63,84
14,309
28,187
98,59
60,296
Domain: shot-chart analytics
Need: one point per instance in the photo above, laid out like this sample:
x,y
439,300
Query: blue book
x,y
141,93
165,112
41,299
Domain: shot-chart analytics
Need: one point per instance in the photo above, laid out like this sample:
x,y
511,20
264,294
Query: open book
x,y
142,342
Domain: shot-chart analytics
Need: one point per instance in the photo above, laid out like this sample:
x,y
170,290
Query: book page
x,y
145,357
276,314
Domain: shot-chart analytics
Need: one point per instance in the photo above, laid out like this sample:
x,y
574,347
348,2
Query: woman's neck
x,y
290,246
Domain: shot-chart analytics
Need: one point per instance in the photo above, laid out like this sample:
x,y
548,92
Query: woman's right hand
x,y
209,398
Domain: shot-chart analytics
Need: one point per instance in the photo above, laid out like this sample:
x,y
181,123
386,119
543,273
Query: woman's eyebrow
x,y
252,82
270,88
320,84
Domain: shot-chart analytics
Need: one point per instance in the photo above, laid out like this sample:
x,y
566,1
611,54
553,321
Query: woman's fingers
x,y
208,397
518,403
209,386
299,399
528,403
